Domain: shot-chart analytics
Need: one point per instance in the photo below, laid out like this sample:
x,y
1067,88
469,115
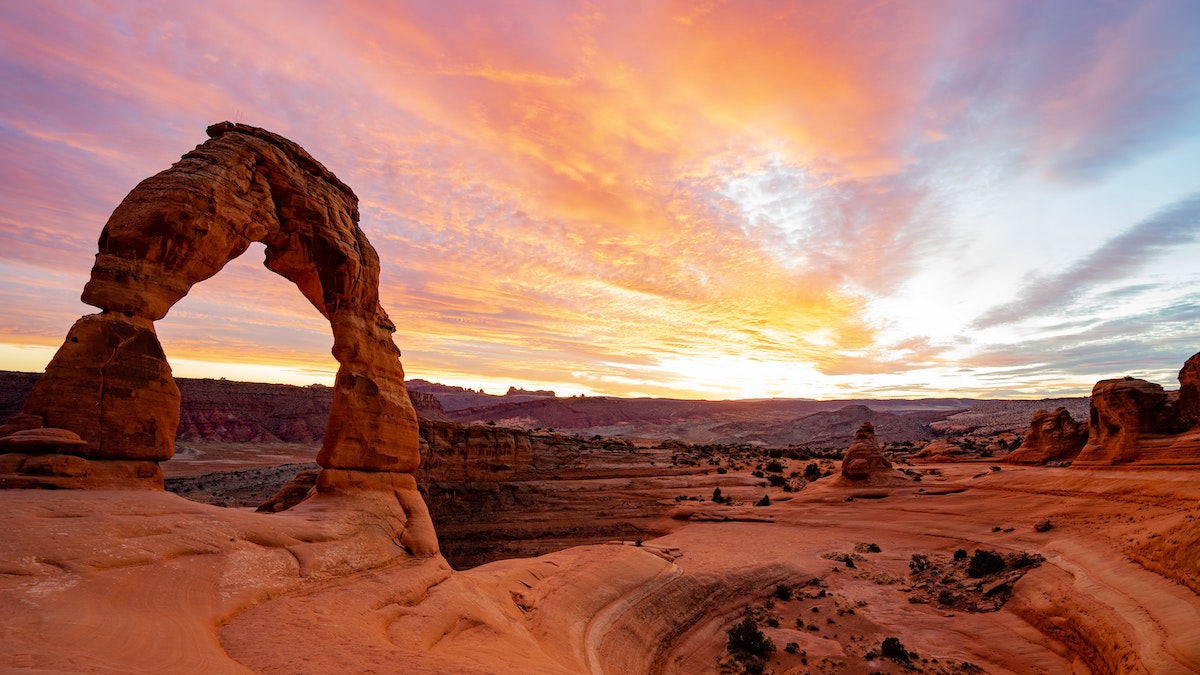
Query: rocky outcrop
x,y
428,406
864,458
455,453
243,412
1188,405
1124,412
110,382
1052,437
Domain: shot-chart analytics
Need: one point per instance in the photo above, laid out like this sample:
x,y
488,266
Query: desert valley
x,y
156,525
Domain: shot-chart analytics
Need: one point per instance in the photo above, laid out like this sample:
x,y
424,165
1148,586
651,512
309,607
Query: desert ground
x,y
147,581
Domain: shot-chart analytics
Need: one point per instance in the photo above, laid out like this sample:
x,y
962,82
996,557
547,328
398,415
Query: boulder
x,y
1052,437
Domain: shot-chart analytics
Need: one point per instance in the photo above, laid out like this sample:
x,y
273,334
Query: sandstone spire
x,y
865,457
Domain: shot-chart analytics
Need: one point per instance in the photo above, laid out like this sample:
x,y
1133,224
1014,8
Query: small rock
x,y
1043,526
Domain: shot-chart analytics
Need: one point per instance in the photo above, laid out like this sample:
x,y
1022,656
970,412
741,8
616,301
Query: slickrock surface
x,y
143,581
1052,437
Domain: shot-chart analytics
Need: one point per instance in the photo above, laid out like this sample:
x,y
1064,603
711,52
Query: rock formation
x,y
864,459
455,453
1124,411
1134,421
1052,437
1188,404
110,382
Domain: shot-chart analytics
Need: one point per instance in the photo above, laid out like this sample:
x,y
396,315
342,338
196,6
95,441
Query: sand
x,y
145,581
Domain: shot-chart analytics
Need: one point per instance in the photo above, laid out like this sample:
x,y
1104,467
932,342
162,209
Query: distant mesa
x,y
541,393
110,382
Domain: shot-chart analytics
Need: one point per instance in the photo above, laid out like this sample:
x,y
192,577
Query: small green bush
x,y
746,639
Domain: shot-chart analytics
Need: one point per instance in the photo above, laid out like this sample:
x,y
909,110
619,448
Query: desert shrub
x,y
773,466
746,639
765,501
960,554
753,665
777,480
919,563
812,472
865,547
892,649
984,563
721,469
792,648
783,592
717,496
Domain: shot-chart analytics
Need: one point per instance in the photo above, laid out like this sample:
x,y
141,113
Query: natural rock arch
x,y
110,382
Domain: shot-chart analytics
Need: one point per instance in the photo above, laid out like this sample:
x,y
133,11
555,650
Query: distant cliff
x,y
236,412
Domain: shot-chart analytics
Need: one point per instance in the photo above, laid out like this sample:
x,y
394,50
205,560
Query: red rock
x,y
21,422
41,441
1188,404
110,382
1052,437
19,470
390,498
295,491
455,453
864,458
1124,412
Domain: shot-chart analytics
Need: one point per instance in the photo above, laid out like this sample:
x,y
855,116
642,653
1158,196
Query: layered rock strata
x,y
1137,422
1052,437
110,382
1124,412
864,456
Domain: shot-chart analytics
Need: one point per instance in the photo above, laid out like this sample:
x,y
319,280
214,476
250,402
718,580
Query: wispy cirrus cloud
x,y
1175,225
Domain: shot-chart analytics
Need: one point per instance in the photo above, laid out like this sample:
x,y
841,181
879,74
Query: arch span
x,y
110,381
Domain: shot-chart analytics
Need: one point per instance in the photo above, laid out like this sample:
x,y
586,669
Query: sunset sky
x,y
686,199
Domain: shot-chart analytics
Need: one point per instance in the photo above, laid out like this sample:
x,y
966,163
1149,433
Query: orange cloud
x,y
648,197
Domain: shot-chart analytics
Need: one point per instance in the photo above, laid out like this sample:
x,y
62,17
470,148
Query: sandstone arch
x,y
110,382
